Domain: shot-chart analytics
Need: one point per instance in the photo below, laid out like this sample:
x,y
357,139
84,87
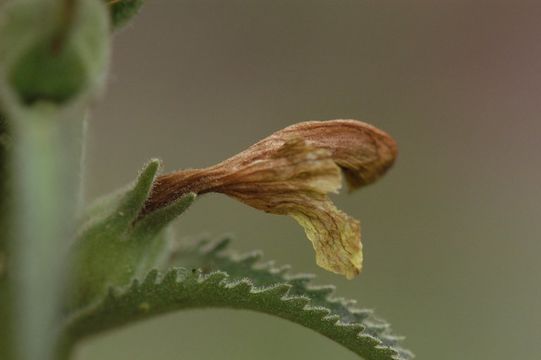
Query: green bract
x,y
114,246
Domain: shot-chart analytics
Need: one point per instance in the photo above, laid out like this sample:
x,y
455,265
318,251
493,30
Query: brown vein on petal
x,y
363,152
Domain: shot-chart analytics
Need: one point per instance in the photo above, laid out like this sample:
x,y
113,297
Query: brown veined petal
x,y
291,173
295,181
363,152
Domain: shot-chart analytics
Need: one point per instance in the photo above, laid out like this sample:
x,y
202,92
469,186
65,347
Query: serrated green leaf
x,y
217,280
211,256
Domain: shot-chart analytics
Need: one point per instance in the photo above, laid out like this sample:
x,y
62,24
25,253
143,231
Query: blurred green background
x,y
451,235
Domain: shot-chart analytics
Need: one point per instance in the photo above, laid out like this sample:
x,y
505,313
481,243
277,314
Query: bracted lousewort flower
x,y
291,172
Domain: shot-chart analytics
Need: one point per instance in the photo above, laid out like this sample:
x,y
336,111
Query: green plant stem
x,y
5,299
53,61
47,151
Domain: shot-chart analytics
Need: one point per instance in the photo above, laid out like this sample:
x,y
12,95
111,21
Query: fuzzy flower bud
x,y
291,172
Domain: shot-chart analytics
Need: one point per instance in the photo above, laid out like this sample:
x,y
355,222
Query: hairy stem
x,y
6,348
45,166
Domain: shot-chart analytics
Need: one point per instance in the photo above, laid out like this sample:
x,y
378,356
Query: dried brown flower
x,y
290,173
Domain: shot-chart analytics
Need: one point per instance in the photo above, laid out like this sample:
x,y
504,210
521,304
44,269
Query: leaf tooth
x,y
266,266
332,318
151,278
376,328
217,246
404,354
298,301
170,278
388,351
281,270
243,286
375,321
394,338
278,290
301,276
343,301
384,351
135,284
212,278
317,311
320,292
112,295
361,314
391,340
201,244
355,329
301,279
378,346
271,267
374,341
248,259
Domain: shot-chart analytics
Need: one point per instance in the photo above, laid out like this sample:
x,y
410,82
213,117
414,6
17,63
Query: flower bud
x,y
52,51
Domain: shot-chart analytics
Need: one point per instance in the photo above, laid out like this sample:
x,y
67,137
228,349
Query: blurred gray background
x,y
451,234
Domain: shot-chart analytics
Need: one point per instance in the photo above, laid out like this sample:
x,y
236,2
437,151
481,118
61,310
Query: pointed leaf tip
x,y
152,223
133,201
